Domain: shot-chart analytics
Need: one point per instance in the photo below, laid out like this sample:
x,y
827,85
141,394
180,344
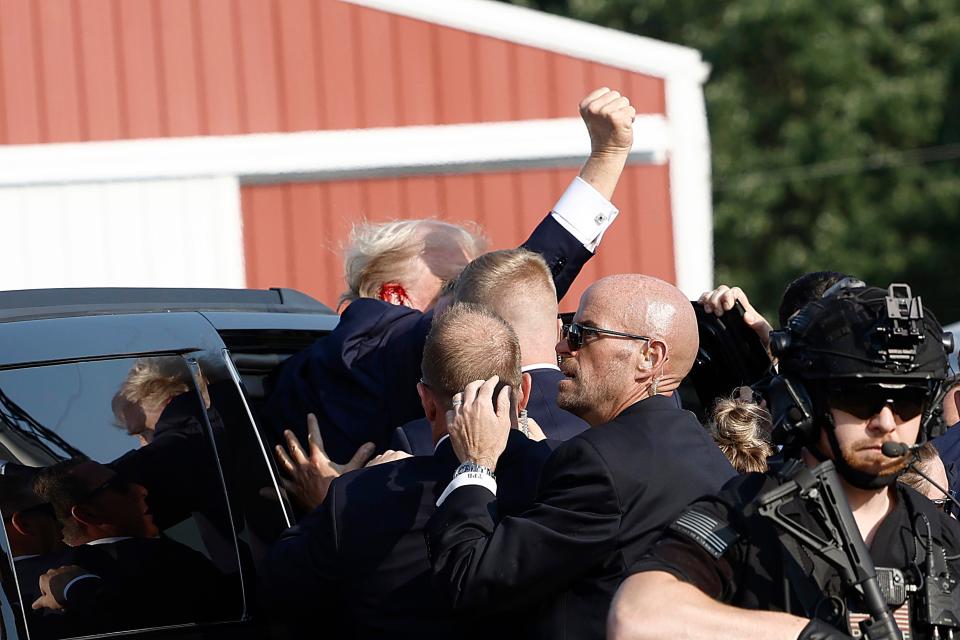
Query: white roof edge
x,y
326,155
553,33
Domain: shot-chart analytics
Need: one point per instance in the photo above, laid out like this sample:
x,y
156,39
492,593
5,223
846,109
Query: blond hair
x,y
151,383
378,253
466,343
737,427
503,277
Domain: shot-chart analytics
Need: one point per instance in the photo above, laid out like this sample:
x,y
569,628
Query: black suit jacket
x,y
359,562
416,438
603,498
360,379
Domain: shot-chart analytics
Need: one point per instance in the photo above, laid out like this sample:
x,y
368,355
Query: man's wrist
x,y
473,474
478,465
606,153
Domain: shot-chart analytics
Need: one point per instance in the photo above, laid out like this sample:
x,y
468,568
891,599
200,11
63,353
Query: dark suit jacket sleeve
x,y
501,566
301,572
565,255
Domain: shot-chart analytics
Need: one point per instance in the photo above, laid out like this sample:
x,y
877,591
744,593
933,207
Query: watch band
x,y
473,467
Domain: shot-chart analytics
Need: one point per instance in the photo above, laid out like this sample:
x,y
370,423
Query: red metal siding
x,y
74,70
294,232
106,69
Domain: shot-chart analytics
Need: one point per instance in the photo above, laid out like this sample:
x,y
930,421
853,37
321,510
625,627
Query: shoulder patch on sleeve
x,y
713,535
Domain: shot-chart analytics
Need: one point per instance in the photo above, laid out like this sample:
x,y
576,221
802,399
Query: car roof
x,y
30,304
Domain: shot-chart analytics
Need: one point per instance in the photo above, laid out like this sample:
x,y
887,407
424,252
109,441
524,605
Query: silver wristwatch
x,y
473,467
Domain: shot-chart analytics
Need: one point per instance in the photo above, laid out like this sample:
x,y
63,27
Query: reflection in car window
x,y
112,501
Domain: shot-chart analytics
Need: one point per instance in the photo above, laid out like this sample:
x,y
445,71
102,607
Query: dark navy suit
x,y
359,562
416,438
360,380
604,497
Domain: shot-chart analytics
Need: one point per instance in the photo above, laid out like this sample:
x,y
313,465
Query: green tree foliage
x,y
835,130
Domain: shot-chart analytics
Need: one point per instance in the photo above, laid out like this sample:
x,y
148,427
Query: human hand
x,y
721,300
47,600
311,475
479,433
609,119
388,456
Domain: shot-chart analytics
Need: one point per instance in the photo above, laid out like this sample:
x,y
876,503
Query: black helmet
x,y
864,333
854,334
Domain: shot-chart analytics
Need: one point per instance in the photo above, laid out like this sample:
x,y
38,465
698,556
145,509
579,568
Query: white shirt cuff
x,y
464,479
584,213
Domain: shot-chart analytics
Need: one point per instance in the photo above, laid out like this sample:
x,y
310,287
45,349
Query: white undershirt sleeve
x,y
471,477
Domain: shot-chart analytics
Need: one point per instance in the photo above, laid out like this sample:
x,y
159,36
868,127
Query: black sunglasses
x,y
575,334
866,401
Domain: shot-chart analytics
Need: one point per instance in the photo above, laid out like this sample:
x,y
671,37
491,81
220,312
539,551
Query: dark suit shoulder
x,y
655,445
415,437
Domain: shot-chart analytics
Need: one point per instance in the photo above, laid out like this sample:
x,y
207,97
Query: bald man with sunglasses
x,y
605,494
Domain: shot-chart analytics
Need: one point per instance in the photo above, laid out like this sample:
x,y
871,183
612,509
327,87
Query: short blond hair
x,y
738,428
467,343
505,276
378,253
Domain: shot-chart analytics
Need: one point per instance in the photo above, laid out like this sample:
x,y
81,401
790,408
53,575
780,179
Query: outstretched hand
x,y
478,432
721,300
311,473
388,456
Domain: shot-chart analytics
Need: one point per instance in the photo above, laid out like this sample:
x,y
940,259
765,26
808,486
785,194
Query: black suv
x,y
159,390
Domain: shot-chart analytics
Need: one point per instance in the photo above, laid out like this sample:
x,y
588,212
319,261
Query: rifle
x,y
820,489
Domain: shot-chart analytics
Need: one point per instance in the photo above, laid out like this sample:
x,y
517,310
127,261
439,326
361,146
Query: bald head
x,y
637,337
651,307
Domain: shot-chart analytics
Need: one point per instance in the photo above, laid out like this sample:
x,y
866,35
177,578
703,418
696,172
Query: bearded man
x,y
860,375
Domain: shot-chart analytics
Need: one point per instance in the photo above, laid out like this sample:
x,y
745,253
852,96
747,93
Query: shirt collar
x,y
440,441
109,540
539,365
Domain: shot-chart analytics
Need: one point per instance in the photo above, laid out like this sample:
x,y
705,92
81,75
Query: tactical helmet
x,y
864,333
854,334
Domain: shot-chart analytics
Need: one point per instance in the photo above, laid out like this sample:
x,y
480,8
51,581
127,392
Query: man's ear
x,y
429,402
21,523
394,293
84,515
652,358
523,395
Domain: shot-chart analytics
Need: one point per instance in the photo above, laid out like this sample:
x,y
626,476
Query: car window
x,y
112,497
260,512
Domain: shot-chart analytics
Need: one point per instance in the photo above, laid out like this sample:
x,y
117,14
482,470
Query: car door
x,y
137,446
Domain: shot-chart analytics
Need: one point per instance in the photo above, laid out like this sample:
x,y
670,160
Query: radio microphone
x,y
898,449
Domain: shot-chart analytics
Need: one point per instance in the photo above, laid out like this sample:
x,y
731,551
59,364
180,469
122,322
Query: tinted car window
x,y
112,492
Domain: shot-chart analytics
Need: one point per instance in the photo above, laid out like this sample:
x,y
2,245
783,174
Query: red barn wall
x,y
293,232
79,70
